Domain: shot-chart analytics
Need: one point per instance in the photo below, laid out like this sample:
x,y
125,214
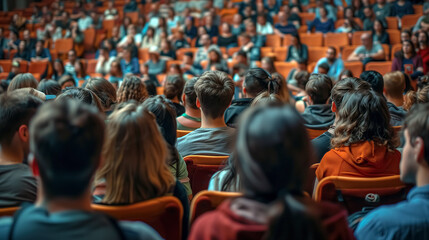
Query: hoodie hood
x,y
319,116
370,158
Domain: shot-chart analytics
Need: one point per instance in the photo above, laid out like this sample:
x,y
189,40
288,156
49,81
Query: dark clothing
x,y
179,109
322,144
213,31
24,55
233,112
299,55
17,185
180,44
397,114
37,223
171,54
227,42
286,29
191,33
130,7
400,11
328,26
382,39
318,116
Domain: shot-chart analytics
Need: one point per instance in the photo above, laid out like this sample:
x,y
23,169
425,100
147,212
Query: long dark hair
x,y
401,54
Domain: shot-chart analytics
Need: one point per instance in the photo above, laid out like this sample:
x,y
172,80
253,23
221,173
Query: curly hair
x,y
132,88
363,116
412,98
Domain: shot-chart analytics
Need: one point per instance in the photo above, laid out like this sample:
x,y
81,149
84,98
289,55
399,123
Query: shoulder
x,y
138,230
5,224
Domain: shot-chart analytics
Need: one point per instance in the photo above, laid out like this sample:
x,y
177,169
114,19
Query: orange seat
x,y
280,53
160,90
133,15
204,63
312,39
63,45
355,193
356,67
91,65
206,201
226,19
161,78
284,68
228,11
356,37
392,22
311,66
394,36
201,168
336,39
181,133
386,49
181,52
233,50
418,9
266,52
38,67
340,22
143,54
347,51
408,21
306,17
164,214
171,62
316,53
8,211
89,39
287,40
273,40
4,75
395,48
314,133
108,25
381,67
23,66
6,65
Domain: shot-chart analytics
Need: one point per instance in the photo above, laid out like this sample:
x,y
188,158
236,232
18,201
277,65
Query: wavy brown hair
x,y
412,97
132,88
135,158
363,116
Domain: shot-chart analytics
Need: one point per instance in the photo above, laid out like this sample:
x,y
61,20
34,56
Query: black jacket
x,y
236,108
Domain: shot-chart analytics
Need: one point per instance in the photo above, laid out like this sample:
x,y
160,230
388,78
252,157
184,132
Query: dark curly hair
x,y
132,88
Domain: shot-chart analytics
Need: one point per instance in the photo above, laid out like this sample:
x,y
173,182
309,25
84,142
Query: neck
x,y
422,177
196,113
407,55
212,123
396,101
63,204
10,156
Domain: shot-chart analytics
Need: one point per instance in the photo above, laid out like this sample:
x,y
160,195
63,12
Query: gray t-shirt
x,y
17,185
37,223
207,141
362,50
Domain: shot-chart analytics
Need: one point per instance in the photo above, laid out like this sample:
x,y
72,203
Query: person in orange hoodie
x,y
362,145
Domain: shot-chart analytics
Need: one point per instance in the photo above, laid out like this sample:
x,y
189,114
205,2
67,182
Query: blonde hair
x,y
394,84
135,158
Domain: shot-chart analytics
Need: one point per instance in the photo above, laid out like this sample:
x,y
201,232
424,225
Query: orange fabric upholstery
x,y
38,67
6,65
394,36
181,133
273,40
356,67
206,201
408,21
9,211
164,214
316,53
314,133
63,45
91,65
347,51
285,67
356,37
201,168
356,193
181,52
336,39
381,67
89,39
392,22
312,39
395,48
280,53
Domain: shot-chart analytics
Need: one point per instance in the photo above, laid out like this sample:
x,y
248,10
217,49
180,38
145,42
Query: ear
x,y
244,90
384,91
23,133
34,166
197,102
334,107
420,150
183,99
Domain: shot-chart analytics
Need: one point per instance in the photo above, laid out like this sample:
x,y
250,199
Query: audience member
x,y
40,53
82,95
368,22
22,80
104,91
191,119
368,51
423,50
49,87
336,65
226,38
129,64
67,81
263,27
318,114
284,27
394,87
214,91
202,53
413,98
382,9
15,70
379,33
17,183
132,88
401,8
215,57
104,62
322,24
408,219
173,89
72,59
297,51
150,39
407,60
58,70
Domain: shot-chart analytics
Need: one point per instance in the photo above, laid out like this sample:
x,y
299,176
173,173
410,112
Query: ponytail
x,y
412,97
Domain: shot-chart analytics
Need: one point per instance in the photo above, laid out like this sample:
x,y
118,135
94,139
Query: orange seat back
x,y
394,36
201,168
206,201
8,211
355,193
181,133
392,22
312,39
395,48
284,68
316,53
181,52
91,65
280,53
408,21
310,179
336,39
314,133
306,17
6,65
356,67
89,39
164,214
273,40
63,45
347,51
38,67
381,67
356,37
143,54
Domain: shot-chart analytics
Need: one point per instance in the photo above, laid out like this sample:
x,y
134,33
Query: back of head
x,y
214,90
66,140
417,125
413,98
302,78
104,91
256,81
132,88
363,116
375,79
267,99
16,109
174,87
319,88
135,157
22,80
346,85
49,87
394,84
82,95
66,78
273,152
190,94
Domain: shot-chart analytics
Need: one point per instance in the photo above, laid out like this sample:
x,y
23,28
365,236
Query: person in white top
x,y
104,62
262,26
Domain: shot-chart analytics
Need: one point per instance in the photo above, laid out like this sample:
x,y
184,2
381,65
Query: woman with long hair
x,y
407,60
272,156
379,34
297,51
363,141
132,88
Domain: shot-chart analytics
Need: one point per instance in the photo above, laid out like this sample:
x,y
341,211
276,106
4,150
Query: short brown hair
x,y
190,94
417,125
394,84
132,88
346,85
23,80
214,91
319,88
104,90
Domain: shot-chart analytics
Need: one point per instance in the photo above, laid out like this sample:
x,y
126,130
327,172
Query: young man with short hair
x,y
394,87
408,219
66,138
336,65
17,184
214,91
318,114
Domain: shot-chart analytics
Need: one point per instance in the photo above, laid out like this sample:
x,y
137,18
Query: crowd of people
x,y
75,138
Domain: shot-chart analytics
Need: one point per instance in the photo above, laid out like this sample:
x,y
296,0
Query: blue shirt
x,y
130,67
406,220
319,26
288,29
334,70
